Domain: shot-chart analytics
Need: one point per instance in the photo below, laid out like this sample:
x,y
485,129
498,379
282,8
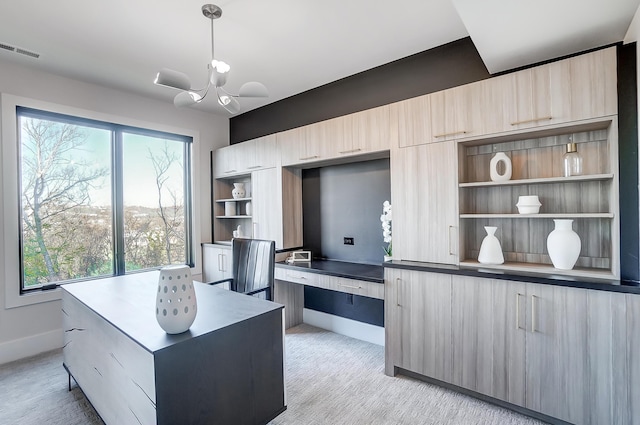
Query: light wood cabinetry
x,y
418,323
423,184
216,262
591,200
333,283
245,157
351,135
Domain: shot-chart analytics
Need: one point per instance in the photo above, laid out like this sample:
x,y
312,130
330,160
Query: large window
x,y
100,199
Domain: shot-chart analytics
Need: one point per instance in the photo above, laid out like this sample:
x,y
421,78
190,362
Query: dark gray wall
x,y
345,200
440,68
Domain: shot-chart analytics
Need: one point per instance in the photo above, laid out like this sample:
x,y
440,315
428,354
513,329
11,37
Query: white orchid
x,y
385,218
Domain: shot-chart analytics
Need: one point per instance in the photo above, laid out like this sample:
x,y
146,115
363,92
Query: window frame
x,y
9,186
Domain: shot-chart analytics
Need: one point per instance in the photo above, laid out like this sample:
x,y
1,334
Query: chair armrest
x,y
266,288
217,282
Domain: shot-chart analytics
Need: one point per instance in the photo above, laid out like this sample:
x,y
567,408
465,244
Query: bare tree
x,y
170,212
53,183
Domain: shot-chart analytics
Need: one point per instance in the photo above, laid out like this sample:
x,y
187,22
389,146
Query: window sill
x,y
15,299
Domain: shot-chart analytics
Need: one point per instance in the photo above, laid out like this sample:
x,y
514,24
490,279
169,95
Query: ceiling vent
x,y
19,50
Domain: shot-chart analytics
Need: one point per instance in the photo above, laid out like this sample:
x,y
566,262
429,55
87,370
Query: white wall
x,y
34,325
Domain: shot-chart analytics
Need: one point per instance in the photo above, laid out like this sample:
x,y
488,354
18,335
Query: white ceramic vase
x,y
238,191
490,249
500,158
247,208
563,245
176,304
230,208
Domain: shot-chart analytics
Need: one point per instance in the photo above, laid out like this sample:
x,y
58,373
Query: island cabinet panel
x,y
424,184
216,262
418,323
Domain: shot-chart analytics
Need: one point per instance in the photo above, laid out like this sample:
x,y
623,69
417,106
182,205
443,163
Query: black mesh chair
x,y
252,267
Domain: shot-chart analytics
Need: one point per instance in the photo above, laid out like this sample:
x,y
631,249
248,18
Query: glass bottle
x,y
572,161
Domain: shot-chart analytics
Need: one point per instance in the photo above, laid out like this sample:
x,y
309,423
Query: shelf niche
x,y
591,200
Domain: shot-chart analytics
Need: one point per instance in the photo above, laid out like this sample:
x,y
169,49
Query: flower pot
x,y
563,245
176,304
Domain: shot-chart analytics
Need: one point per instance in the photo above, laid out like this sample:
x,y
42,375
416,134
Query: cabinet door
x,y
366,131
258,153
488,328
290,144
414,121
451,113
424,187
225,164
216,263
575,354
418,313
267,206
632,375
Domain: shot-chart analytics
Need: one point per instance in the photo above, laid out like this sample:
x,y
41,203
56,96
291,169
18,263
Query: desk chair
x,y
252,267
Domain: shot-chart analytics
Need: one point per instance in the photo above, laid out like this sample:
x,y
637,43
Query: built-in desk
x,y
228,368
353,278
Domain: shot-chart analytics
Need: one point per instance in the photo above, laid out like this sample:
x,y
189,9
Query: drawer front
x,y
303,278
352,286
115,373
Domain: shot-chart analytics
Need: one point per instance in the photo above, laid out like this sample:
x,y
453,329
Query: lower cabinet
x,y
216,262
418,323
561,351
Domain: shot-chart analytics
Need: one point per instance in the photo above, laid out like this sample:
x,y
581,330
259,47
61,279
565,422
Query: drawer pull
x,y
532,120
350,286
533,313
518,295
230,171
295,277
350,151
453,133
398,280
253,167
308,157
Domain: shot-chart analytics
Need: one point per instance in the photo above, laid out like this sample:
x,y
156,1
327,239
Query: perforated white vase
x,y
176,304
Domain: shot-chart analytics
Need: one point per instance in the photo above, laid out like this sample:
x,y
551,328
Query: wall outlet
x,y
348,240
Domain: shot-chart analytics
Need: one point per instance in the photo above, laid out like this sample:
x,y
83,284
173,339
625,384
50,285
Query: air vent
x,y
28,53
19,50
7,47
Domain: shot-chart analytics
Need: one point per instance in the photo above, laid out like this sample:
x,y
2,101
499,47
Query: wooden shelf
x,y
547,269
544,180
233,216
545,215
233,200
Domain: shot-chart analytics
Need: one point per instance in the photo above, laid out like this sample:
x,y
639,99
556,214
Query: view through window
x,y
100,199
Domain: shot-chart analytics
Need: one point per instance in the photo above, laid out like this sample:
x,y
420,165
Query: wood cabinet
x,y
423,183
418,323
590,200
246,157
552,349
331,140
216,262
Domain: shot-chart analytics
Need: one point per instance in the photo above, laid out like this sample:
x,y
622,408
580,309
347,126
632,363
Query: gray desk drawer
x,y
340,284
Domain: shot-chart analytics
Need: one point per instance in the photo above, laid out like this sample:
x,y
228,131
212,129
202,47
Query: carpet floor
x,y
331,379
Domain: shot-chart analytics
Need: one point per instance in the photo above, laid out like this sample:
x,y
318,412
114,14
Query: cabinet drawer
x,y
352,286
303,278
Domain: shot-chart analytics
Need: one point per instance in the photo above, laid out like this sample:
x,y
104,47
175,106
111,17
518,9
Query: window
x,y
99,199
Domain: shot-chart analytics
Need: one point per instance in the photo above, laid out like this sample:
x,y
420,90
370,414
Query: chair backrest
x,y
253,265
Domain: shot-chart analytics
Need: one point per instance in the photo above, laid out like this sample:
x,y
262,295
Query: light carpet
x,y
331,379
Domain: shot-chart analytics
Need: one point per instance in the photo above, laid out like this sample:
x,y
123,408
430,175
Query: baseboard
x,y
340,325
30,346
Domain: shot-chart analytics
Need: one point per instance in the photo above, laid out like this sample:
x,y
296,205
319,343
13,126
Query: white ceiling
x,y
291,45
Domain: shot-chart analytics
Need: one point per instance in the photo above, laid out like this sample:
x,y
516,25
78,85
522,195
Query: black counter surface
x,y
547,279
359,271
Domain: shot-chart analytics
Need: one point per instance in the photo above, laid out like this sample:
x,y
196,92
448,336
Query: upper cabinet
x,y
245,157
574,89
350,135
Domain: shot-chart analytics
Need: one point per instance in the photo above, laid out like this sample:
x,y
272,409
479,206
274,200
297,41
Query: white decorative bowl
x,y
529,204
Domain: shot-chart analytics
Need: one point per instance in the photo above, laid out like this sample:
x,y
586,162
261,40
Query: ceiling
x,y
290,45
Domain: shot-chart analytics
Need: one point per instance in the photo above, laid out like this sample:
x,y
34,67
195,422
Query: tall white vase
x,y
563,245
497,159
176,304
490,249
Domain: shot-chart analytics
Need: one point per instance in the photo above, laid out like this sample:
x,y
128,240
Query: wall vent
x,y
19,50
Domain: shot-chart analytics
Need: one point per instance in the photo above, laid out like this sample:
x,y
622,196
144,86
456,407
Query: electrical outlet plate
x,y
348,240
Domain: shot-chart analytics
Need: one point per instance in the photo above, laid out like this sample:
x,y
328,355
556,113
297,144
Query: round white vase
x,y
490,249
563,245
238,191
247,208
176,304
500,158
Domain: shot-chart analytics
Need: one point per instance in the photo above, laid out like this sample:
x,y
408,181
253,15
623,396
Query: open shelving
x,y
591,199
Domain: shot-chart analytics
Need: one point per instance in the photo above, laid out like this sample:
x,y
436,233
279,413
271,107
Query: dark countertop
x,y
547,279
128,303
359,271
